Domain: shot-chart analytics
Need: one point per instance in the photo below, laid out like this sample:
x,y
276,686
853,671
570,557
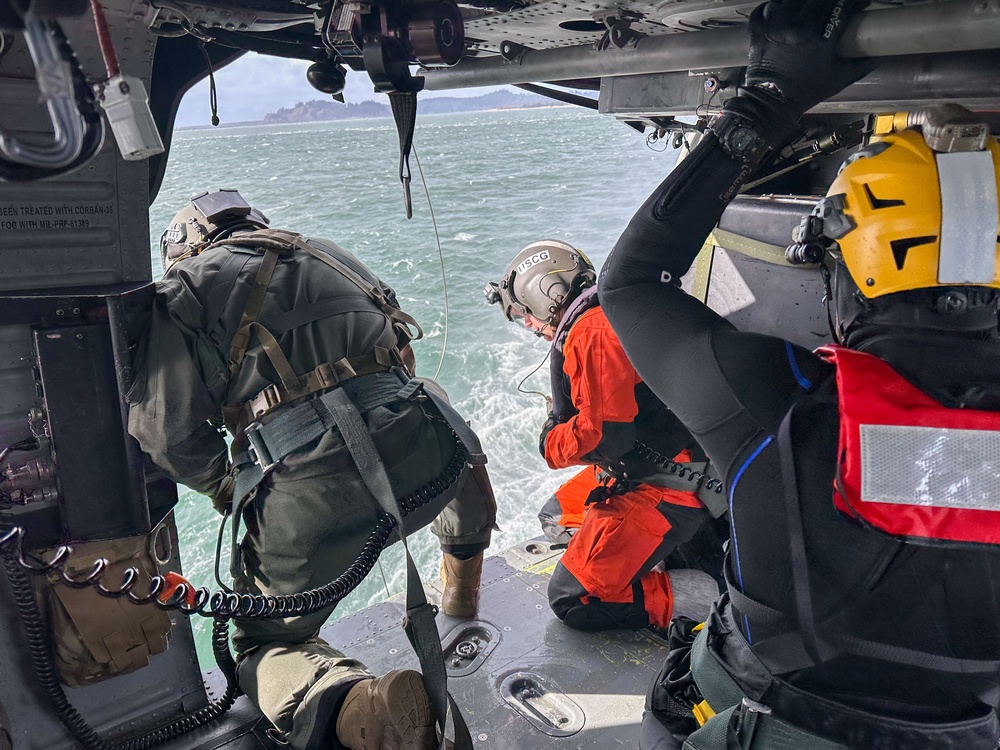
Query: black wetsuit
x,y
732,389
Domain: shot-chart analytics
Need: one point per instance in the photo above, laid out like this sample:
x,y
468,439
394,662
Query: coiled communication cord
x,y
673,467
164,594
48,679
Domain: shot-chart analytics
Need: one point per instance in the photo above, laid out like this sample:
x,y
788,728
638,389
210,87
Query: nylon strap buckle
x,y
257,448
264,401
327,376
412,391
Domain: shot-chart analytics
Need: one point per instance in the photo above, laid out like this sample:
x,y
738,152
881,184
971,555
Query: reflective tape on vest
x,y
910,466
934,467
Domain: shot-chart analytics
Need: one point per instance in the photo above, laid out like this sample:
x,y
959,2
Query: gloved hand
x,y
793,63
546,429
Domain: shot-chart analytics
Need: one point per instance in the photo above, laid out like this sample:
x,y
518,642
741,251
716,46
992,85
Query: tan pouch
x,y
95,637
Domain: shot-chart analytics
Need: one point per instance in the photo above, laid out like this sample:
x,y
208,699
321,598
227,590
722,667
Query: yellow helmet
x,y
906,216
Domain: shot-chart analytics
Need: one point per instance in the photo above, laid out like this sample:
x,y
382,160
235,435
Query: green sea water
x,y
497,181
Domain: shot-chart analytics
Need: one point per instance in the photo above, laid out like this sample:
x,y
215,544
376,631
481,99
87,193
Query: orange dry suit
x,y
605,417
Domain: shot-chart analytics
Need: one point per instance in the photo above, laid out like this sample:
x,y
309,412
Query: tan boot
x,y
461,585
391,712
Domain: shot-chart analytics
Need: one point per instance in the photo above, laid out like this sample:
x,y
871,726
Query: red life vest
x,y
910,466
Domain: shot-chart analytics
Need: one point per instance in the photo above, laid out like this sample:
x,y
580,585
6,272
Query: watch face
x,y
742,140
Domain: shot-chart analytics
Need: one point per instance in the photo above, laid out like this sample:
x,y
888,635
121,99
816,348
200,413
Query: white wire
x,y
444,282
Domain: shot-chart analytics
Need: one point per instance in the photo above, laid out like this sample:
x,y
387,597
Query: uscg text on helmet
x,y
527,263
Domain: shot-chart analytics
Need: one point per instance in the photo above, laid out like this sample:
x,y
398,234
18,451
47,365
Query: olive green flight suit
x,y
313,513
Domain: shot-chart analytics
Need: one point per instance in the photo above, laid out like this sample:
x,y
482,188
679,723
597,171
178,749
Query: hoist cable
x,y
444,281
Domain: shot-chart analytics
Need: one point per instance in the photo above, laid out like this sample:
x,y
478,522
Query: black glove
x,y
546,429
794,64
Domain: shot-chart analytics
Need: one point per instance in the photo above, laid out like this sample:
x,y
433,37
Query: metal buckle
x,y
755,707
257,448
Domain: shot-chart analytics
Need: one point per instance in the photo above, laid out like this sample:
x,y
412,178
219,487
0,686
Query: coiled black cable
x,y
48,679
221,606
673,467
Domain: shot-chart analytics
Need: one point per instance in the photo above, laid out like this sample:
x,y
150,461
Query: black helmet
x,y
541,280
209,217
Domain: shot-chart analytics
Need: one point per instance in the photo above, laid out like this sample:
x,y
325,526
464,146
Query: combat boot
x,y
391,712
461,585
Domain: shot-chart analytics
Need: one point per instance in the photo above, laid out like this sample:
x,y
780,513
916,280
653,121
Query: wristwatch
x,y
738,138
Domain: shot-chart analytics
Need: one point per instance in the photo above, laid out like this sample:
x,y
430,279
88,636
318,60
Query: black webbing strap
x,y
242,338
419,623
289,379
219,296
404,112
373,290
755,610
796,539
302,315
830,636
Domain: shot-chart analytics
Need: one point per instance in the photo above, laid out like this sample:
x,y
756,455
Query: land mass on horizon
x,y
318,110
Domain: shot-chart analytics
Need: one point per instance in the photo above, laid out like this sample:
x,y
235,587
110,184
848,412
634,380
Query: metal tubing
x,y
961,25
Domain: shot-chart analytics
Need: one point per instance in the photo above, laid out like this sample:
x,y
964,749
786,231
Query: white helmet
x,y
542,280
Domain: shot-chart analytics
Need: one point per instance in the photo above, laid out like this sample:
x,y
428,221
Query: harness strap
x,y
277,357
404,111
242,338
757,611
796,539
294,426
326,375
752,248
372,290
302,315
722,660
419,622
222,289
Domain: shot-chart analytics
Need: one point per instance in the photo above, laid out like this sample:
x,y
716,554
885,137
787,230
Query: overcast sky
x,y
254,85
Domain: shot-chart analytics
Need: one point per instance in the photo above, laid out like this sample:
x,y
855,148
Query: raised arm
x,y
693,359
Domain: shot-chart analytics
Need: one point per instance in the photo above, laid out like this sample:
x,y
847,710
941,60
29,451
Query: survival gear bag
x,y
96,637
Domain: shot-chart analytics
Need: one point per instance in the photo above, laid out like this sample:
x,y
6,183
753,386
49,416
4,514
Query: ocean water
x,y
497,181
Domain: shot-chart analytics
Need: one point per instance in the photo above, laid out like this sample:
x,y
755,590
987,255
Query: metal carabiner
x,y
55,81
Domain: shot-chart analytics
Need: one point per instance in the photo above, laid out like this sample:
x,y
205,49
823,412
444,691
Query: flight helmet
x,y
915,215
208,218
542,280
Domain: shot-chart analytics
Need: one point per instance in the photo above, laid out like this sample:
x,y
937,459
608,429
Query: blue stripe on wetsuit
x,y
796,372
732,523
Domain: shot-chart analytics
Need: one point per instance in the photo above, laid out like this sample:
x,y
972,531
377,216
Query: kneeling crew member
x,y
603,415
863,607
284,339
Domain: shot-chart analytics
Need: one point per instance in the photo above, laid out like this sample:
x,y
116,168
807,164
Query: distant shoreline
x,y
262,123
